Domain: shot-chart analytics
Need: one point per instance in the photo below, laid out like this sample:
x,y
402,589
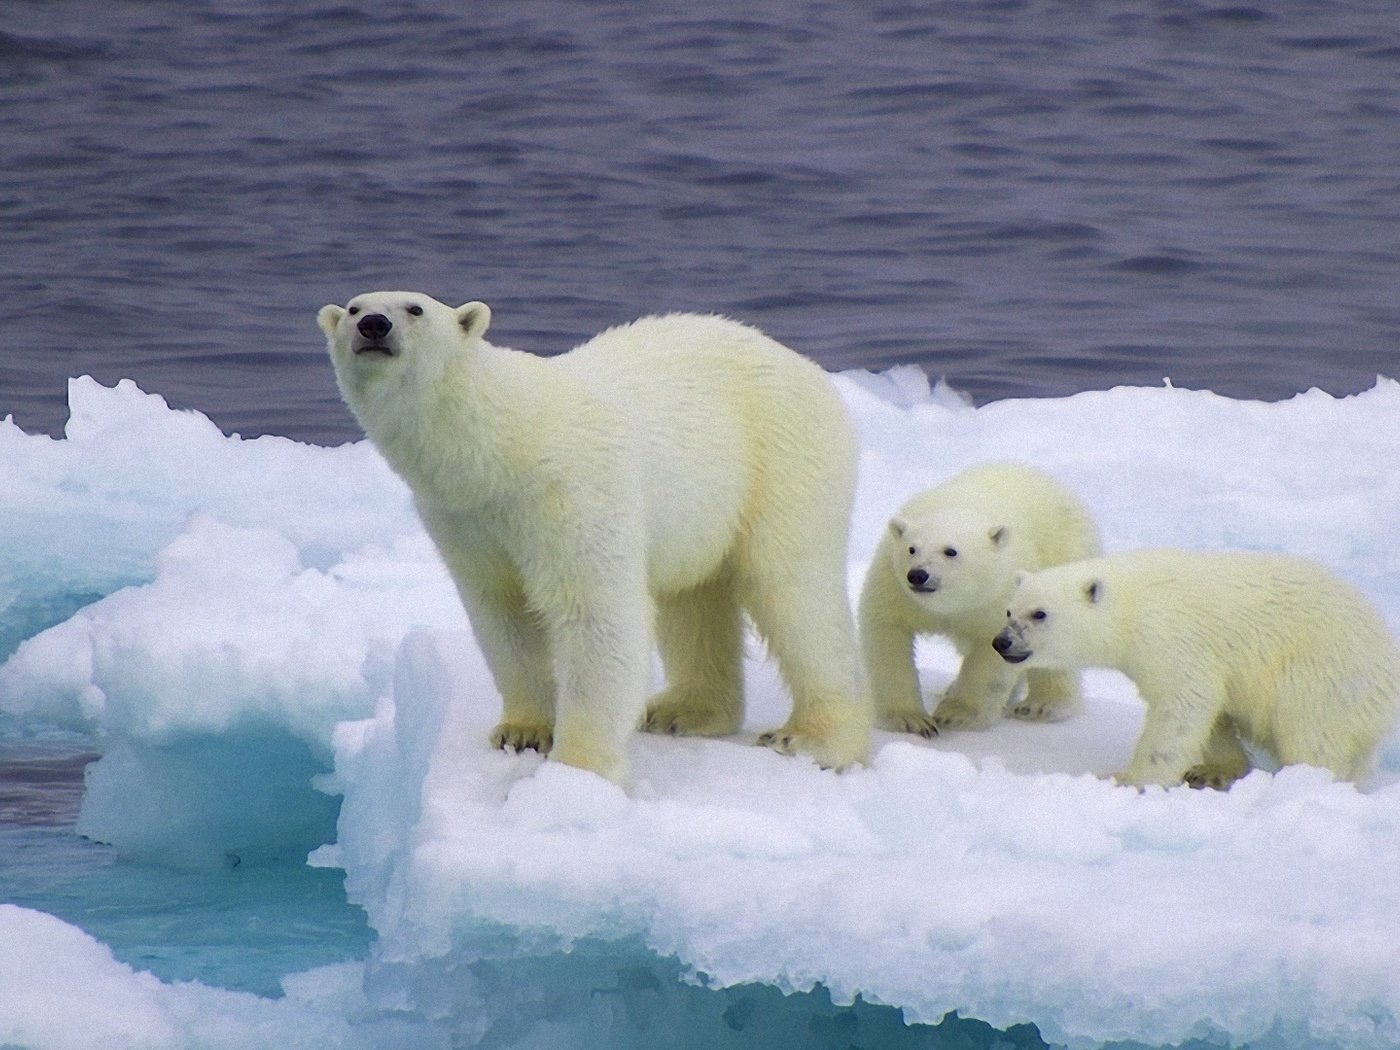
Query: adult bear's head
x,y
381,333
391,351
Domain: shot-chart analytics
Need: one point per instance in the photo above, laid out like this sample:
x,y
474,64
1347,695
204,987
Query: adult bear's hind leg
x,y
802,613
700,634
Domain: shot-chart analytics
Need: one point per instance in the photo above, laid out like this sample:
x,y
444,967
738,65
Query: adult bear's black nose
x,y
917,577
374,326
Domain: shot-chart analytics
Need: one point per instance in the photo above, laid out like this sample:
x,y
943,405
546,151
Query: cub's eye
x,y
913,550
353,311
1039,614
950,552
416,310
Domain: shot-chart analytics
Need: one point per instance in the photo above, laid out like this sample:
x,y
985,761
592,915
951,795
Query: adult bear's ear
x,y
1093,591
474,318
897,527
328,317
999,536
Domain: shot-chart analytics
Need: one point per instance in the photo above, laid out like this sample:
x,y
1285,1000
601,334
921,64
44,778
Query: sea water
x,y
1028,197
232,926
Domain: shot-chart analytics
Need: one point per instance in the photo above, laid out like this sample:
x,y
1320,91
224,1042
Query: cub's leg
x,y
1175,731
977,697
887,648
1051,696
1224,760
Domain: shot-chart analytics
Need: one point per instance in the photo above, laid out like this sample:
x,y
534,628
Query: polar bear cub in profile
x,y
946,566
1222,646
669,474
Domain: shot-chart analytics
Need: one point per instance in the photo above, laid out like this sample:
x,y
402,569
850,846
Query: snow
x,y
252,631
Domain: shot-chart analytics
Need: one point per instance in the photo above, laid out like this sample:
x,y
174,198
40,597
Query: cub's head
x,y
1058,618
385,333
949,562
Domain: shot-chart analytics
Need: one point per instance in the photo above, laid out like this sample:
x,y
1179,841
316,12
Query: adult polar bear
x,y
683,465
1221,645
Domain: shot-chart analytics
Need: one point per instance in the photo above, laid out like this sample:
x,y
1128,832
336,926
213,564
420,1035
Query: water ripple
x,y
960,175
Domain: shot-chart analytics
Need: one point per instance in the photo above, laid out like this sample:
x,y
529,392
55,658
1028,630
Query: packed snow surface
x,y
252,630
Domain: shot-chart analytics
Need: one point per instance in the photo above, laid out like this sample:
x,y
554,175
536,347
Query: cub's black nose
x,y
1002,642
374,326
917,577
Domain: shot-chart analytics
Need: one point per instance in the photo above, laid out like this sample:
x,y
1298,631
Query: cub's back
x,y
1054,525
1278,595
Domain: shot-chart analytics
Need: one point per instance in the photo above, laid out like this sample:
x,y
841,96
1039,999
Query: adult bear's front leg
x,y
510,636
596,614
517,651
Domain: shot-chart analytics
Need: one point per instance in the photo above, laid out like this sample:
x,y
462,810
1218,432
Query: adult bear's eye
x,y
416,310
913,550
1039,614
950,552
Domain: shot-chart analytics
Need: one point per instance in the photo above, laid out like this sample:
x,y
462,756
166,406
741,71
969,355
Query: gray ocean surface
x,y
1027,197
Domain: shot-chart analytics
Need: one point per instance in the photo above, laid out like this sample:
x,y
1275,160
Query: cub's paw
x,y
1033,710
1128,779
523,736
1211,777
956,716
1142,781
920,723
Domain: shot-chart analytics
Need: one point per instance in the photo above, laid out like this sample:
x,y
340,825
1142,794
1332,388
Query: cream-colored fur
x,y
1222,646
946,566
673,471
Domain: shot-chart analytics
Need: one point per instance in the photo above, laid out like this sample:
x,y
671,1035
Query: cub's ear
x,y
474,318
898,526
999,536
1093,591
328,317
1019,576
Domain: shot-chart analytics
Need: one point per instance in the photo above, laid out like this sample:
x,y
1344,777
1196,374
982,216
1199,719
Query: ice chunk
x,y
64,991
275,622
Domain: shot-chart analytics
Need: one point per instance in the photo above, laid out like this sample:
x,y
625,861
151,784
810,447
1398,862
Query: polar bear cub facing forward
x,y
669,473
1221,646
946,566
